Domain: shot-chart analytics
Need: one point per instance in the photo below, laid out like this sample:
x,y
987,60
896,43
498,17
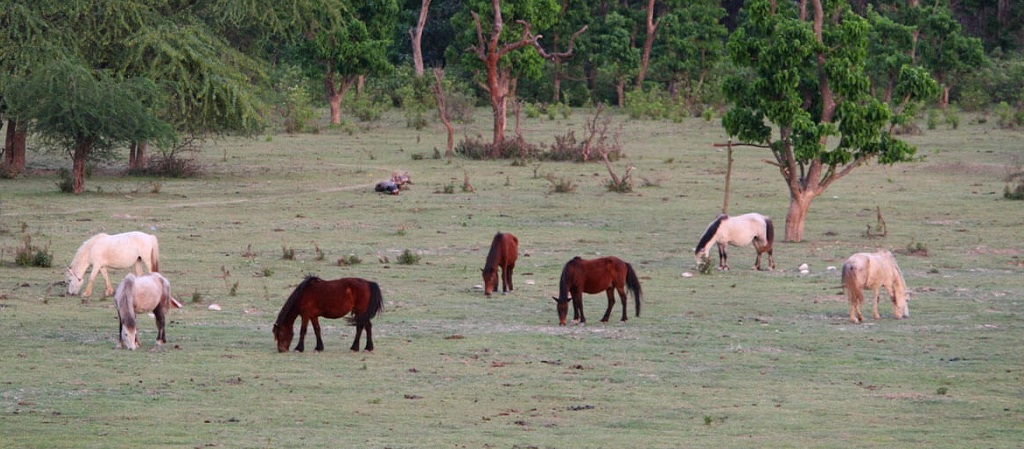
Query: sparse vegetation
x,y
408,257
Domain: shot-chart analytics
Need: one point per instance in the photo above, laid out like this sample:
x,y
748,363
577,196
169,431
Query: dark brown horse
x,y
605,274
315,298
503,254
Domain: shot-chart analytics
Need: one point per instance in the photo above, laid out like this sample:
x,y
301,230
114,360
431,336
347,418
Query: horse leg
x,y
302,336
160,313
369,336
611,304
316,331
110,289
355,342
723,257
577,307
622,296
874,309
507,272
88,285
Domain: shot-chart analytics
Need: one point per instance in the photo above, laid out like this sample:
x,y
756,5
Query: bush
x,y
511,148
408,258
29,255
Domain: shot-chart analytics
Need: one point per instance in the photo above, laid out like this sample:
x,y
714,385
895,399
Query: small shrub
x,y
267,272
287,253
1004,115
933,119
197,297
319,252
917,249
952,117
350,259
704,266
29,255
65,183
561,185
417,156
234,289
173,166
408,258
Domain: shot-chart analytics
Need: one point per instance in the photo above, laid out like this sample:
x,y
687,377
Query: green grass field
x,y
730,359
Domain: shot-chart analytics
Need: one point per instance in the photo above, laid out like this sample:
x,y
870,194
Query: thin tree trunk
x,y
799,204
645,58
14,147
335,93
416,35
81,154
442,111
620,92
137,156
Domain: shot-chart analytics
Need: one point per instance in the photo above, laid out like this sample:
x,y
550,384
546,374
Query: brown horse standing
x,y
315,297
594,276
503,254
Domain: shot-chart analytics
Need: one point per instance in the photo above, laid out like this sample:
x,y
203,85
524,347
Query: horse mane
x,y
122,301
82,255
292,303
492,254
709,233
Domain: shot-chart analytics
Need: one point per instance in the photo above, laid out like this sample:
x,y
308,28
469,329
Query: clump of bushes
x,y
29,255
408,258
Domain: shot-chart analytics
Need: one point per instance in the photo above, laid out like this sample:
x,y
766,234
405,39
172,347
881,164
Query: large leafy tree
x,y
343,41
807,77
691,42
501,44
201,85
87,112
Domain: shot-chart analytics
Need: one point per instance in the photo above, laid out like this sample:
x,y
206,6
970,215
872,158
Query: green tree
x,y
947,52
691,42
807,78
86,113
502,46
343,41
618,59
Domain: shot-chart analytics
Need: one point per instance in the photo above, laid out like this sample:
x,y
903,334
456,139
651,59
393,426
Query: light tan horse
x,y
874,271
142,294
114,251
741,230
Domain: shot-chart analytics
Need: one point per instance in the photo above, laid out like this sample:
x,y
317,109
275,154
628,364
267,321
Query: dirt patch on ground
x,y
984,250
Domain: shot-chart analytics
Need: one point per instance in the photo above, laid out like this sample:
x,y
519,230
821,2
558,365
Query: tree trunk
x,y
335,93
645,58
82,149
497,87
14,147
620,92
556,83
799,204
137,156
442,111
417,39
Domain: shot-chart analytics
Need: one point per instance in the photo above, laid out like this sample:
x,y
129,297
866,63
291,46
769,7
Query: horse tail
x,y
154,257
374,306
123,301
850,284
293,300
709,234
769,232
633,283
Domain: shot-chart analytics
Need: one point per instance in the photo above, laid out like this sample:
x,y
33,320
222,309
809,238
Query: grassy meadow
x,y
729,359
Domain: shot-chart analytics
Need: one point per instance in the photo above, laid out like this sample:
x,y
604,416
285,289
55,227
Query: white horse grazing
x,y
740,230
142,294
874,271
114,251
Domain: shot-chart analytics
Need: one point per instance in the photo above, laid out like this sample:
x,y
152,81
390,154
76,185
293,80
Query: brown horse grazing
x,y
315,297
874,271
605,274
503,254
740,230
142,294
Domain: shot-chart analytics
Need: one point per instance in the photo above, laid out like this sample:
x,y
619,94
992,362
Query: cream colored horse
x,y
142,294
741,230
114,251
874,271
